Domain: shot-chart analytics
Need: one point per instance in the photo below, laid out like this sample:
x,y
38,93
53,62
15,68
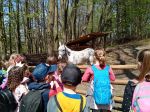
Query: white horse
x,y
76,57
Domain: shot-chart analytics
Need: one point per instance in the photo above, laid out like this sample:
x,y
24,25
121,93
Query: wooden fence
x,y
116,82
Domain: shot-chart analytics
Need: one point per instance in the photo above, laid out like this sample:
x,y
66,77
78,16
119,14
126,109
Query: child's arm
x,y
55,89
86,76
111,75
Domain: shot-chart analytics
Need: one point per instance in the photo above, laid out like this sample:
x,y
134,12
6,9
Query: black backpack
x,y
8,102
32,102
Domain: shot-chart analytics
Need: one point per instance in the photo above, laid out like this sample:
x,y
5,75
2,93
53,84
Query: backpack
x,y
141,102
127,97
8,102
102,89
57,103
32,102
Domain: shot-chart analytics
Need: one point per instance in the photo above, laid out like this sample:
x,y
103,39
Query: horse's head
x,y
61,50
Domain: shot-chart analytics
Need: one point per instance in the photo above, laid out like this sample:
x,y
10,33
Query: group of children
x,y
57,86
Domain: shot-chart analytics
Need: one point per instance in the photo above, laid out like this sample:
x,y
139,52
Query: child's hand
x,y
56,84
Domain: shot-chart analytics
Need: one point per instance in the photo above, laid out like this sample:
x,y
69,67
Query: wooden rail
x,y
116,67
116,82
118,99
119,82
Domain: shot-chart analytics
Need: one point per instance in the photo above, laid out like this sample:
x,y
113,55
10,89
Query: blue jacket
x,y
45,94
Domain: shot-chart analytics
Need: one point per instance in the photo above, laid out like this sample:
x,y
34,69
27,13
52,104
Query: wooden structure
x,y
81,42
34,59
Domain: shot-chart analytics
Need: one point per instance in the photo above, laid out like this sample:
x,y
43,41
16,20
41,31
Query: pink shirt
x,y
56,88
88,75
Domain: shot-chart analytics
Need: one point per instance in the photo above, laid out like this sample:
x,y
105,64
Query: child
x,y
100,75
51,60
68,100
141,95
53,77
14,58
2,74
43,77
16,83
56,85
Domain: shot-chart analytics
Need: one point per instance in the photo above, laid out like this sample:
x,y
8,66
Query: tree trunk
x,y
73,17
44,27
3,40
117,18
87,18
1,18
64,16
18,40
28,27
10,27
56,26
50,38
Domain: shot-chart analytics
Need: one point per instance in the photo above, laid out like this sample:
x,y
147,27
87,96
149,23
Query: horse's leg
x,y
91,59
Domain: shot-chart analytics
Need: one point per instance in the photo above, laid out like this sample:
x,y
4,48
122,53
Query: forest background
x,y
36,26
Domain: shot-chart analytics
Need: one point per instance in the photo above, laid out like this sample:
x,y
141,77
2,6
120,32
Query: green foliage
x,y
126,18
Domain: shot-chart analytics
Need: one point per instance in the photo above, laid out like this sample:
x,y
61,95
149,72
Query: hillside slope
x,y
126,53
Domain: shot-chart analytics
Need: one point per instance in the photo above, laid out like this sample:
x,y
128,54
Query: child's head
x,y
51,60
15,76
71,75
143,63
100,56
42,71
15,58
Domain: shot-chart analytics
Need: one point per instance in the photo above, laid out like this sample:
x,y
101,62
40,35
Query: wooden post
x,y
104,42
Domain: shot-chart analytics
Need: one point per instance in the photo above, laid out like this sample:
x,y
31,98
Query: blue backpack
x,y
102,92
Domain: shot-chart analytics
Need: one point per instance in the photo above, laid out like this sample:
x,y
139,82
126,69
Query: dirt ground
x,y
122,55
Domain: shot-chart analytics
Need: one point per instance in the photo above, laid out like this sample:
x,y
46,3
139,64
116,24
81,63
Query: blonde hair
x,y
13,56
97,57
144,59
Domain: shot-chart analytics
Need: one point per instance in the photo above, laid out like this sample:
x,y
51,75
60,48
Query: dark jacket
x,y
45,94
127,97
